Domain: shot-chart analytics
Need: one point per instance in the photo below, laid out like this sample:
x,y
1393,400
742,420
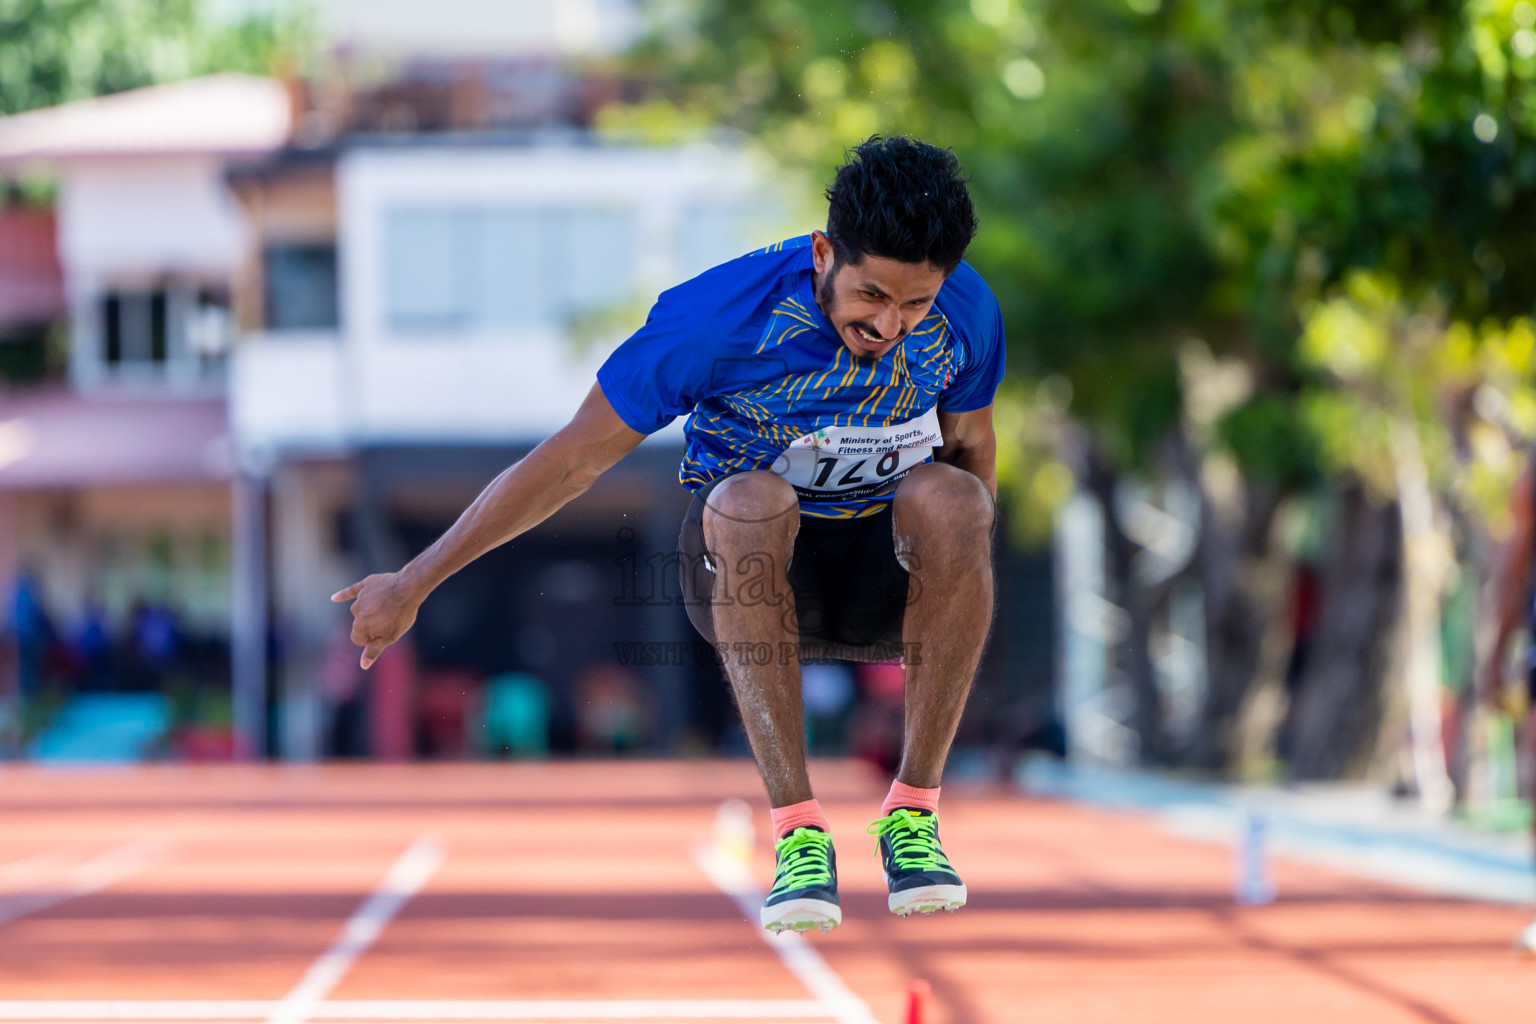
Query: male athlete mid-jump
x,y
841,453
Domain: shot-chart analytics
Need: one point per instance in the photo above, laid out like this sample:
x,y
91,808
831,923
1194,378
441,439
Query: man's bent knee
x,y
945,496
752,502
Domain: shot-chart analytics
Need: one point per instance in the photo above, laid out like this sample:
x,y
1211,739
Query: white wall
x,y
137,223
286,391
148,216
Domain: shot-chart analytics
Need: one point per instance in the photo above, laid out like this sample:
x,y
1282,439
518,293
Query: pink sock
x,y
903,795
806,812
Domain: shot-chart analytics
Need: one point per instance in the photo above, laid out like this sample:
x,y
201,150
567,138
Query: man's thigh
x,y
850,591
847,569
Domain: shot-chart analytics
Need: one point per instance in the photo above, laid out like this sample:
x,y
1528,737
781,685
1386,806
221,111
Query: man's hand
x,y
523,496
382,610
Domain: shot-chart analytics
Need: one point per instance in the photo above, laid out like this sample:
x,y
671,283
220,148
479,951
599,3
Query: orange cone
x,y
919,1002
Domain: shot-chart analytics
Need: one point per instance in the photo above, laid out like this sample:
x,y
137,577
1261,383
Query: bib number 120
x,y
825,466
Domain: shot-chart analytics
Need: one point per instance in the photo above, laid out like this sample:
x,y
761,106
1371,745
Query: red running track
x,y
572,892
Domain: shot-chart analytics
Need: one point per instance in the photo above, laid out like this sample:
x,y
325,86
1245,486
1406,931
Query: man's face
x,y
873,304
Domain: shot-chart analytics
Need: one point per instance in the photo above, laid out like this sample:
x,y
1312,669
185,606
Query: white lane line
x,y
84,879
80,1011
135,1009
38,865
405,879
801,959
571,1009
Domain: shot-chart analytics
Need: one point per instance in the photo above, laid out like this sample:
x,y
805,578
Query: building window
x,y
135,327
490,268
428,256
177,327
300,287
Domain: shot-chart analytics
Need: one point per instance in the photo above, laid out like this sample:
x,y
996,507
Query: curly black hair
x,y
902,199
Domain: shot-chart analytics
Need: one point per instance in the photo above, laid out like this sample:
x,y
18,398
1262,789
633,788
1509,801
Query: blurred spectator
x,y
10,700
1305,600
610,714
34,633
156,643
827,692
1515,606
93,651
449,702
1458,646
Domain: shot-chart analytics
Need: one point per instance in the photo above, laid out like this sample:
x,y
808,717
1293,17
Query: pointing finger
x,y
349,593
372,651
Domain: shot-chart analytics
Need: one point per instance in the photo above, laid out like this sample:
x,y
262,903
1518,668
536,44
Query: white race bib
x,y
854,462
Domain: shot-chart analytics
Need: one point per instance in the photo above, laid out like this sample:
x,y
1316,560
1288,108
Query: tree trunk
x,y
1237,572
1134,654
1335,716
1426,563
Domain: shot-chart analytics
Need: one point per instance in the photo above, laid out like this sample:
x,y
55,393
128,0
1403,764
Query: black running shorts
x,y
850,591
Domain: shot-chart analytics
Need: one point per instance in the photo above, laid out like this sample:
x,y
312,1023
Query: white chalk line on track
x,y
799,957
379,1011
306,1003
38,865
405,878
83,879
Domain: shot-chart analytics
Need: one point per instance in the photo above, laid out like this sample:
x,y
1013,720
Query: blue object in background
x,y
1253,886
110,727
517,710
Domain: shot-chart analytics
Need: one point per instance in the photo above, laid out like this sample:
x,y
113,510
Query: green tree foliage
x,y
1087,125
1377,205
1151,173
54,51
1336,198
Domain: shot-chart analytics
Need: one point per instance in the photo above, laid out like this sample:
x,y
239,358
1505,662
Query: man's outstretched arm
x,y
524,495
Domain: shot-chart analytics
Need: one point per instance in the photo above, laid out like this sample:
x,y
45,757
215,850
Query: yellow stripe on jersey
x,y
747,429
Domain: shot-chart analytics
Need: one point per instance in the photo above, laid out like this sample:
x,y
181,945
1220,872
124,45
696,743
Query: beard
x,y
826,295
826,298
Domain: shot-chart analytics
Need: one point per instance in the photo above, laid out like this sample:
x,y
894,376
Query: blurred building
x,y
419,313
306,323
114,476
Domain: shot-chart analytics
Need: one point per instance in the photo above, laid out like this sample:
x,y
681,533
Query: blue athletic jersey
x,y
746,351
